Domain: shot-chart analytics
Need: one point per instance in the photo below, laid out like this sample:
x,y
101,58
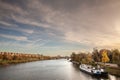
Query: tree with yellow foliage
x,y
105,57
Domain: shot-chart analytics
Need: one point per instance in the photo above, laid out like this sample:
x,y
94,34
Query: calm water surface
x,y
45,70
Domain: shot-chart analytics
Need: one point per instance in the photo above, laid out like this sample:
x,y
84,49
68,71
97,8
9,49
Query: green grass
x,y
113,70
7,62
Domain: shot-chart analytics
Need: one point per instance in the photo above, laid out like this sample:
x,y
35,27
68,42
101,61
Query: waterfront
x,y
45,70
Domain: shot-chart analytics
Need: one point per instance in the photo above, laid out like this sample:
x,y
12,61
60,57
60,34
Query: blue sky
x,y
59,27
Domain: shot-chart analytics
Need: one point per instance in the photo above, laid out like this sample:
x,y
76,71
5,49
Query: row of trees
x,y
103,55
21,56
81,57
113,55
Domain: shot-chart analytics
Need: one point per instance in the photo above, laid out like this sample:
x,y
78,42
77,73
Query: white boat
x,y
92,70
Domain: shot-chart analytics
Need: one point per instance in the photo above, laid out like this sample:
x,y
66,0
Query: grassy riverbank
x,y
8,62
113,70
7,58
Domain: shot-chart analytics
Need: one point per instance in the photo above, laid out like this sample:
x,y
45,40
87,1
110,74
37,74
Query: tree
x,y
1,56
95,55
109,53
73,56
89,58
116,56
105,57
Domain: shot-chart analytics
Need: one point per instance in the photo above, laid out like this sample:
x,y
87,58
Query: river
x,y
45,70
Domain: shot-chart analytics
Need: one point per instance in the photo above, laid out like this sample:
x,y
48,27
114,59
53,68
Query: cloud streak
x,y
15,27
18,38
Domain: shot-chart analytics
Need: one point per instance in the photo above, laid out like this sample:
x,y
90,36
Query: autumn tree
x,y
105,56
96,55
1,56
89,58
73,56
81,57
116,56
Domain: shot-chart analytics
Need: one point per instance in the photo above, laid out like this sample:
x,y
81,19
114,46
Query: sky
x,y
59,27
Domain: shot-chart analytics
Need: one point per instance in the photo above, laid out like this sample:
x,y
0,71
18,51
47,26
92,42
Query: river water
x,y
46,70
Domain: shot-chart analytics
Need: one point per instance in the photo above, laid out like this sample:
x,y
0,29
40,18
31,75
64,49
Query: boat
x,y
92,70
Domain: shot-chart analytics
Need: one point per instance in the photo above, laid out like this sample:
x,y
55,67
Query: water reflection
x,y
112,77
45,70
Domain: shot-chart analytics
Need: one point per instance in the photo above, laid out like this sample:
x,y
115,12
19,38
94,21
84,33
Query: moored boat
x,y
92,70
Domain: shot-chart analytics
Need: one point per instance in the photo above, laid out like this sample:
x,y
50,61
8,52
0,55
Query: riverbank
x,y
7,62
7,58
113,70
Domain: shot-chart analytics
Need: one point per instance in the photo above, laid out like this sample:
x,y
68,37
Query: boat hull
x,y
102,74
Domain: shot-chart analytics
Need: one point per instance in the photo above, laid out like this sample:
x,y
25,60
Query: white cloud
x,y
29,21
15,27
18,38
13,8
29,31
6,24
